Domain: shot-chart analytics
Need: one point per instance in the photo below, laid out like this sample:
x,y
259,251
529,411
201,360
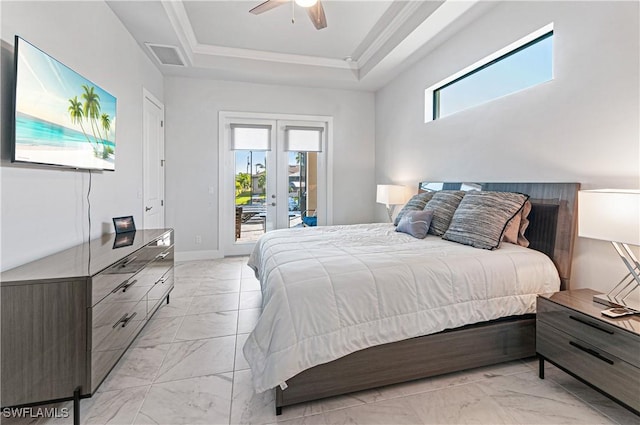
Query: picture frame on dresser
x,y
124,224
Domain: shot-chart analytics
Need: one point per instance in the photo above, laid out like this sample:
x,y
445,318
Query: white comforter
x,y
330,291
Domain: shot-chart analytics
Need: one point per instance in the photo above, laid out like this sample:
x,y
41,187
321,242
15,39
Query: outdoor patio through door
x,y
275,178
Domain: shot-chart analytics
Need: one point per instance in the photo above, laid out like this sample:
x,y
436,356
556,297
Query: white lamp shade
x,y
610,215
389,194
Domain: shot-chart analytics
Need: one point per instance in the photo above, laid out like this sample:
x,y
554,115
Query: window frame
x,y
432,94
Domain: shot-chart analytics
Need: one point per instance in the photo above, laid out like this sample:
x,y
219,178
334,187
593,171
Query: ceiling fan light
x,y
306,3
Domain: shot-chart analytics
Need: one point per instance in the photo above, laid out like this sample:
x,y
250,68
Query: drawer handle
x,y
124,286
592,352
161,280
162,256
126,262
119,321
129,285
593,325
124,320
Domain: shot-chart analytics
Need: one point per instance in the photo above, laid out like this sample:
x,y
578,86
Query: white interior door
x,y
274,170
153,162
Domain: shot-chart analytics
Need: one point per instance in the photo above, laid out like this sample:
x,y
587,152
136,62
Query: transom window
x,y
526,63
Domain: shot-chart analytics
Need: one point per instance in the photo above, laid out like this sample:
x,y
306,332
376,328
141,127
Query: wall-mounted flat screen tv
x,y
61,118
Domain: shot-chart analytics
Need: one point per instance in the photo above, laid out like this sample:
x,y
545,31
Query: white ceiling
x,y
228,23
222,40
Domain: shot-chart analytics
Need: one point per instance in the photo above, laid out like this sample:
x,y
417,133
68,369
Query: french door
x,y
274,176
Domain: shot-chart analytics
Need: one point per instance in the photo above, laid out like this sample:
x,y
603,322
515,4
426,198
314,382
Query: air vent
x,y
166,55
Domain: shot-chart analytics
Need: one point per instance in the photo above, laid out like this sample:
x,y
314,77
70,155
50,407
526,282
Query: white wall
x,y
191,108
44,209
581,127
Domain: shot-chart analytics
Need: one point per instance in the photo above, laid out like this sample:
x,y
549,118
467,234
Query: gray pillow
x,y
416,203
482,217
415,223
443,204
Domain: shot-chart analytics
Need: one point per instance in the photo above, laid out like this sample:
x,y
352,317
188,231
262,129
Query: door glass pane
x,y
303,188
250,191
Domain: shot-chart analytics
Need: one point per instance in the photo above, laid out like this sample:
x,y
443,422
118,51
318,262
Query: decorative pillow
x,y
514,233
481,218
524,223
415,223
416,203
443,204
513,229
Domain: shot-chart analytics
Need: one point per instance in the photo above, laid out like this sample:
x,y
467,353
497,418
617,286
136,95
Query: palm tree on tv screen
x,y
90,110
106,125
77,114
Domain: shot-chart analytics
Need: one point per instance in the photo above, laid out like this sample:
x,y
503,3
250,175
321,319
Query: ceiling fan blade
x,y
316,13
266,6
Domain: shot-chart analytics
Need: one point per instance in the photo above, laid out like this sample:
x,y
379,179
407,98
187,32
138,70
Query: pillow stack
x,y
481,219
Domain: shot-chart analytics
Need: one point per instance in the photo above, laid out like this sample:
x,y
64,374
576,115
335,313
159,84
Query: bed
x,y
348,308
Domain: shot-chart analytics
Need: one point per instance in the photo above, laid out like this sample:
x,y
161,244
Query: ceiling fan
x,y
314,10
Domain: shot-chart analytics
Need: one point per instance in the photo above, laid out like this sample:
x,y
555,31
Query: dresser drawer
x,y
105,283
601,369
159,291
110,340
115,324
156,269
597,333
109,279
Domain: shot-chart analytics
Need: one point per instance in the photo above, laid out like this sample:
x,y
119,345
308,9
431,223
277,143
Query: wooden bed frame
x,y
551,230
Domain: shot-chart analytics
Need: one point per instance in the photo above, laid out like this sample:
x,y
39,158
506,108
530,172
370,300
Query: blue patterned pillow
x,y
415,223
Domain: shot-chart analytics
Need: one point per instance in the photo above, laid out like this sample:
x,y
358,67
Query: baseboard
x,y
197,255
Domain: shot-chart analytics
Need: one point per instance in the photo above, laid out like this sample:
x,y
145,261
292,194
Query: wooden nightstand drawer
x,y
605,337
601,369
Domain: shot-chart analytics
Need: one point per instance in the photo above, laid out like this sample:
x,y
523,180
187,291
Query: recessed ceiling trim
x,y
182,26
235,52
442,17
385,35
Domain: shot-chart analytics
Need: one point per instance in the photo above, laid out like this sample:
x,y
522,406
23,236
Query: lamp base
x,y
612,302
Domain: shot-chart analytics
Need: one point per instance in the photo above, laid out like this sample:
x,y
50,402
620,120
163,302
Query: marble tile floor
x,y
187,367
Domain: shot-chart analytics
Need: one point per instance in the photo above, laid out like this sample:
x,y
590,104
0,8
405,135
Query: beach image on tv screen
x,y
61,117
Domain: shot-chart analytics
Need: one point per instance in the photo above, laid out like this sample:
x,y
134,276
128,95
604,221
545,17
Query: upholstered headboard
x,y
553,217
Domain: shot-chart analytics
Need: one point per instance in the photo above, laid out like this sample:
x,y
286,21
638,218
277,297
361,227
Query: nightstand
x,y
604,353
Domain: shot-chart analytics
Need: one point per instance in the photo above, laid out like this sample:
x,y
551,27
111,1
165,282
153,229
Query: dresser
x,y
572,334
66,319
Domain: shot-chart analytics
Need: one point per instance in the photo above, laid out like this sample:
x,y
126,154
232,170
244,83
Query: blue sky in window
x,y
526,68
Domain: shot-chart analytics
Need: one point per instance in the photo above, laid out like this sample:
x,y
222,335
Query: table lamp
x,y
390,195
614,215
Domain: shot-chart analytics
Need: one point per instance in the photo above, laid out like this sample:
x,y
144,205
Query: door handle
x,y
147,209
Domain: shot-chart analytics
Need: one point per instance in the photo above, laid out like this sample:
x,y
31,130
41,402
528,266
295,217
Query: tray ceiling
x,y
222,40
